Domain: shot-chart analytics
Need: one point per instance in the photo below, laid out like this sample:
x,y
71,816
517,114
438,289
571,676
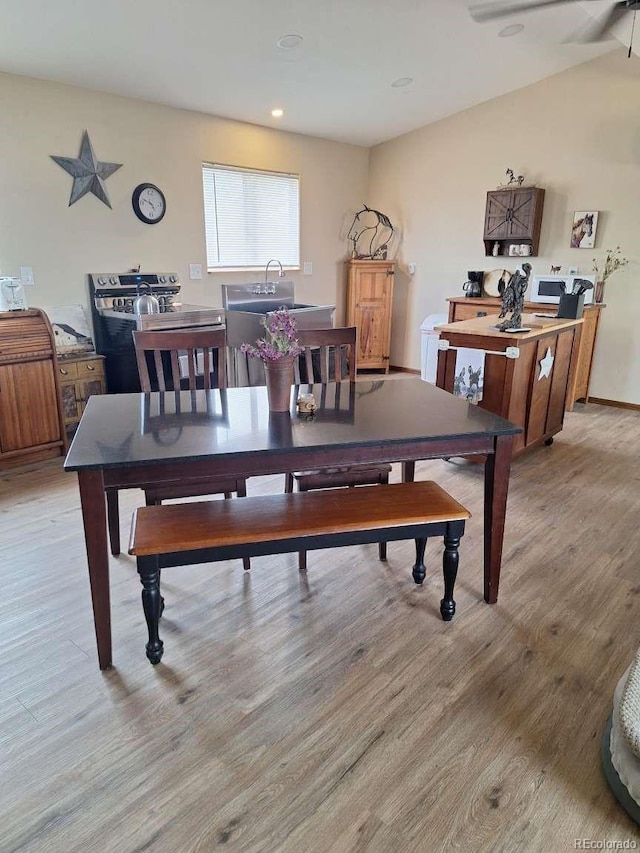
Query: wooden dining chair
x,y
330,356
175,360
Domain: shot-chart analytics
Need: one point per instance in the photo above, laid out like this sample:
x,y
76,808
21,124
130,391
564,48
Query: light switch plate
x,y
26,275
195,271
411,268
307,268
573,270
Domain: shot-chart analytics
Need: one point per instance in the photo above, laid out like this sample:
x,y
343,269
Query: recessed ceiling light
x,y
277,113
511,30
401,82
287,42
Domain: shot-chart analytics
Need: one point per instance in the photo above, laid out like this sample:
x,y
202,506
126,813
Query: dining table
x,y
128,441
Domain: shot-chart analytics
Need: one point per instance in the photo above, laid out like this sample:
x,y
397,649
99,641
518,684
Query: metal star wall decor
x,y
88,173
546,364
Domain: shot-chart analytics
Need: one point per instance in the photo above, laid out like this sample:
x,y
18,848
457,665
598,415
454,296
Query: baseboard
x,y
404,369
616,403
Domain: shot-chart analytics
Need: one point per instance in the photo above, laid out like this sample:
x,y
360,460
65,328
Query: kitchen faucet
x,y
266,270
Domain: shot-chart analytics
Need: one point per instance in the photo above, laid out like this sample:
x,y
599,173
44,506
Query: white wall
x,y
164,146
576,134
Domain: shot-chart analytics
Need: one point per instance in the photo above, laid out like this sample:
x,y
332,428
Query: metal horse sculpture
x,y
376,226
513,299
582,228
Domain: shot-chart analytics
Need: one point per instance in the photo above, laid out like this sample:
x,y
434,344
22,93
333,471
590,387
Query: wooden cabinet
x,y
31,423
513,217
369,304
464,308
79,377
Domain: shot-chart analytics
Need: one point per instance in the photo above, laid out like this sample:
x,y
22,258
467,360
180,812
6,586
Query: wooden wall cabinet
x,y
31,422
369,305
513,217
79,377
463,308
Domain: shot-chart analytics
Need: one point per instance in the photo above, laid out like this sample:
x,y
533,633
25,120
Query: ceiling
x,y
223,58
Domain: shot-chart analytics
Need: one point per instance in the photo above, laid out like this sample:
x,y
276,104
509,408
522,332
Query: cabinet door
x,y
28,405
87,387
70,403
372,316
510,214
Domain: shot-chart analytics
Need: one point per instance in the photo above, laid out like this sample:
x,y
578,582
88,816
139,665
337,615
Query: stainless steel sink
x,y
246,306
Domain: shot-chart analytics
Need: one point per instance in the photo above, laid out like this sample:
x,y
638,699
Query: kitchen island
x,y
526,374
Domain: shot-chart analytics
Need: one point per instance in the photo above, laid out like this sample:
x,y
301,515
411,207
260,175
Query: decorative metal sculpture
x,y
87,172
513,298
378,230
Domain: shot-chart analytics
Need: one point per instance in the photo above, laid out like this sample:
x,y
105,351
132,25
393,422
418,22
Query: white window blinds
x,y
250,217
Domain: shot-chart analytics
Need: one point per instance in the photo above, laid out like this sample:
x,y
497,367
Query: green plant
x,y
612,262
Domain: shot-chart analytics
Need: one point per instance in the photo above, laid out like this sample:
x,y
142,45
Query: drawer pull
x,y
90,367
64,372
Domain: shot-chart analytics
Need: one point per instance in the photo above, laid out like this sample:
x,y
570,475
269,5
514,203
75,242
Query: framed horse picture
x,y
583,230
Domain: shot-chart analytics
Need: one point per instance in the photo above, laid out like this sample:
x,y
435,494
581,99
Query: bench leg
x,y
382,552
151,604
450,570
419,570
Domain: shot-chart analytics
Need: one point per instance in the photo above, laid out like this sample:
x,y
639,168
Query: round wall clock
x,y
149,203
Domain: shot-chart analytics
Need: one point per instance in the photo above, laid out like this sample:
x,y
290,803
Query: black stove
x,y
112,308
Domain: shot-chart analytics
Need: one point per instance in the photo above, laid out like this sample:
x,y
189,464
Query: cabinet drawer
x,y
93,368
67,370
469,312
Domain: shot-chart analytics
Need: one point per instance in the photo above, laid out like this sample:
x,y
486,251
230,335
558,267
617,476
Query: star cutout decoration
x,y
546,364
88,173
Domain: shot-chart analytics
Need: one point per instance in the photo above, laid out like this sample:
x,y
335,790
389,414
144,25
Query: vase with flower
x,y
612,262
277,350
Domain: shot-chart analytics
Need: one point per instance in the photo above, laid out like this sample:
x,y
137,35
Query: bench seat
x,y
188,533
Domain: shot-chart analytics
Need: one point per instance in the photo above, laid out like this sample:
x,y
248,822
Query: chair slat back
x,y
326,351
162,350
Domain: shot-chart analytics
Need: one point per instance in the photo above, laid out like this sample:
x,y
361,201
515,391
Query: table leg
x,y
408,472
496,485
94,518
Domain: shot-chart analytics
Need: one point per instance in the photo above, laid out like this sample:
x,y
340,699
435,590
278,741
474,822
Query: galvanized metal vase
x,y
279,377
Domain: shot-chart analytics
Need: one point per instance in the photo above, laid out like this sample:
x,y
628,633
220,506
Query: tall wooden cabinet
x,y
31,422
369,305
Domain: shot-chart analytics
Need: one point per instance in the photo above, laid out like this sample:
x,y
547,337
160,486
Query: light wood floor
x,y
332,712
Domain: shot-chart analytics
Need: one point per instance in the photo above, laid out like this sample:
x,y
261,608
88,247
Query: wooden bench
x,y
188,533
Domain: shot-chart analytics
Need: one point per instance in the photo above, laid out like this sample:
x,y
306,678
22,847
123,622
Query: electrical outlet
x,y
26,275
573,271
195,271
307,268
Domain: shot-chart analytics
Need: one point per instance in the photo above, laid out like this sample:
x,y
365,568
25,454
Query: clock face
x,y
149,203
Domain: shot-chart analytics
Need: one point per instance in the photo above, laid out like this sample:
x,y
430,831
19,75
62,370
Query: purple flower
x,y
280,339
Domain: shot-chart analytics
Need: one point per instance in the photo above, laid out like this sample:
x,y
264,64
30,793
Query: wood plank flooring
x,y
334,711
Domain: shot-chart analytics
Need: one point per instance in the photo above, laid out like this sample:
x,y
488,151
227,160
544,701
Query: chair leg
x,y
113,521
450,570
382,552
419,570
302,561
288,483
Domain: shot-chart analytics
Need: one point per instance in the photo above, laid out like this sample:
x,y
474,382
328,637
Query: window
x,y
250,217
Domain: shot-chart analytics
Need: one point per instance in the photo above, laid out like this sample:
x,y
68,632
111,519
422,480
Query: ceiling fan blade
x,y
489,11
600,29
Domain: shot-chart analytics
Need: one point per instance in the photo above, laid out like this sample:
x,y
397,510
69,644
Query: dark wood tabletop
x,y
130,440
